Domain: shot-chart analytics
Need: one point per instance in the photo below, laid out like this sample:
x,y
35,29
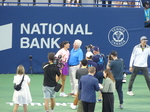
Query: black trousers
x,y
134,74
119,90
88,107
148,26
108,102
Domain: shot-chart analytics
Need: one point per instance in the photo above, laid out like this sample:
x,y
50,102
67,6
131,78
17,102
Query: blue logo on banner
x,y
118,36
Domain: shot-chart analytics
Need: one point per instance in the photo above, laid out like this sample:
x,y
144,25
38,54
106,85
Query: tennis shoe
x,y
121,106
74,107
63,94
130,93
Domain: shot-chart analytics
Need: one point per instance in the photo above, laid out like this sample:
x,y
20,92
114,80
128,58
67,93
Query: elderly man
x,y
76,55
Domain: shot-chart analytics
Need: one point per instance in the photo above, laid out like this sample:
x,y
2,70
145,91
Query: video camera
x,y
109,57
89,47
58,61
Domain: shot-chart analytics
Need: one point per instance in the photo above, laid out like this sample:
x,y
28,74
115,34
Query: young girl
x,y
107,91
23,96
64,52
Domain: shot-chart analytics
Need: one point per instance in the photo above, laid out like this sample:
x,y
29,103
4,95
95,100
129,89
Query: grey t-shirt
x,y
81,72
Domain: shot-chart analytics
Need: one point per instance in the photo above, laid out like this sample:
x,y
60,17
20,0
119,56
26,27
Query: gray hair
x,y
78,42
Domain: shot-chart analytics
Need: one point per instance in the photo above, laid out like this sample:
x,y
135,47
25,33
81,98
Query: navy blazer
x,y
88,85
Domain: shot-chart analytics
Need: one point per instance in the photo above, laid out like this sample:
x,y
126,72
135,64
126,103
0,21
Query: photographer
x,y
49,82
116,65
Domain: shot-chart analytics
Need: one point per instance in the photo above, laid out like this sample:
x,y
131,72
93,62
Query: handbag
x,y
17,87
57,87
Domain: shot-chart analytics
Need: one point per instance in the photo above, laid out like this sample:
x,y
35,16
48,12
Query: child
x,y
23,96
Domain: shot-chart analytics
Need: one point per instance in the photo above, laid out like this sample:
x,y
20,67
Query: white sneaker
x,y
63,94
130,93
73,106
51,110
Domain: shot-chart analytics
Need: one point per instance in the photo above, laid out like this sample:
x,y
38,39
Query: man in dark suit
x,y
88,85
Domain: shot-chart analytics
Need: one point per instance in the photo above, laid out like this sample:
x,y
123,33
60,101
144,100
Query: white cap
x,y
144,38
89,54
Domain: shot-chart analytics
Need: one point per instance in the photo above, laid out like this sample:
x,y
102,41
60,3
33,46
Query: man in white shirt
x,y
138,62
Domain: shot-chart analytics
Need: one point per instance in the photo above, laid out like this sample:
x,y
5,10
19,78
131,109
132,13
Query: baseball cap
x,y
114,53
96,48
89,54
144,38
146,3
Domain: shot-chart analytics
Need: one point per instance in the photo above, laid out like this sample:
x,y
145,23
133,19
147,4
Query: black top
x,y
50,72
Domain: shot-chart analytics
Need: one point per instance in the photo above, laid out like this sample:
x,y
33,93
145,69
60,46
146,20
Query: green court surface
x,y
138,103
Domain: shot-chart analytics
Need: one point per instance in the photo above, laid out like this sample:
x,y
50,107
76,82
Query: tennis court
x,y
138,103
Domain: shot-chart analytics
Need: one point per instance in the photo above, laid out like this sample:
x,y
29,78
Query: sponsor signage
x,y
38,30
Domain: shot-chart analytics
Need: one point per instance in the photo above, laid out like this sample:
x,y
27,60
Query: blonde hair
x,y
20,69
91,69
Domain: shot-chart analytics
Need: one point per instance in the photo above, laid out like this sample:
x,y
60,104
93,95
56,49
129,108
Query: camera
x,y
30,57
124,77
89,47
58,61
109,57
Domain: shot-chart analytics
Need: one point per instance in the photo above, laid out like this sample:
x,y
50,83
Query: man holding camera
x,y
49,82
116,65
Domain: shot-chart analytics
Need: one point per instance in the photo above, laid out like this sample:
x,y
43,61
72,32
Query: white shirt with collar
x,y
139,56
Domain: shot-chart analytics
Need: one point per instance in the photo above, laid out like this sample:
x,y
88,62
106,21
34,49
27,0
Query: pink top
x,y
64,53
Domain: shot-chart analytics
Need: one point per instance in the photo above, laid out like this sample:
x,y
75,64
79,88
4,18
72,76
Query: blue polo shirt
x,y
75,56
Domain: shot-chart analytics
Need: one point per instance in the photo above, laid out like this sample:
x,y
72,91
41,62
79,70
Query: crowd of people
x,y
95,3
104,75
105,3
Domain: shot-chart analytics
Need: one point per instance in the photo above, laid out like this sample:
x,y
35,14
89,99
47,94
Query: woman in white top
x,y
23,96
64,52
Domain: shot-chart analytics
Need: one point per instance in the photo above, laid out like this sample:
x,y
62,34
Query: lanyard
x,y
147,14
